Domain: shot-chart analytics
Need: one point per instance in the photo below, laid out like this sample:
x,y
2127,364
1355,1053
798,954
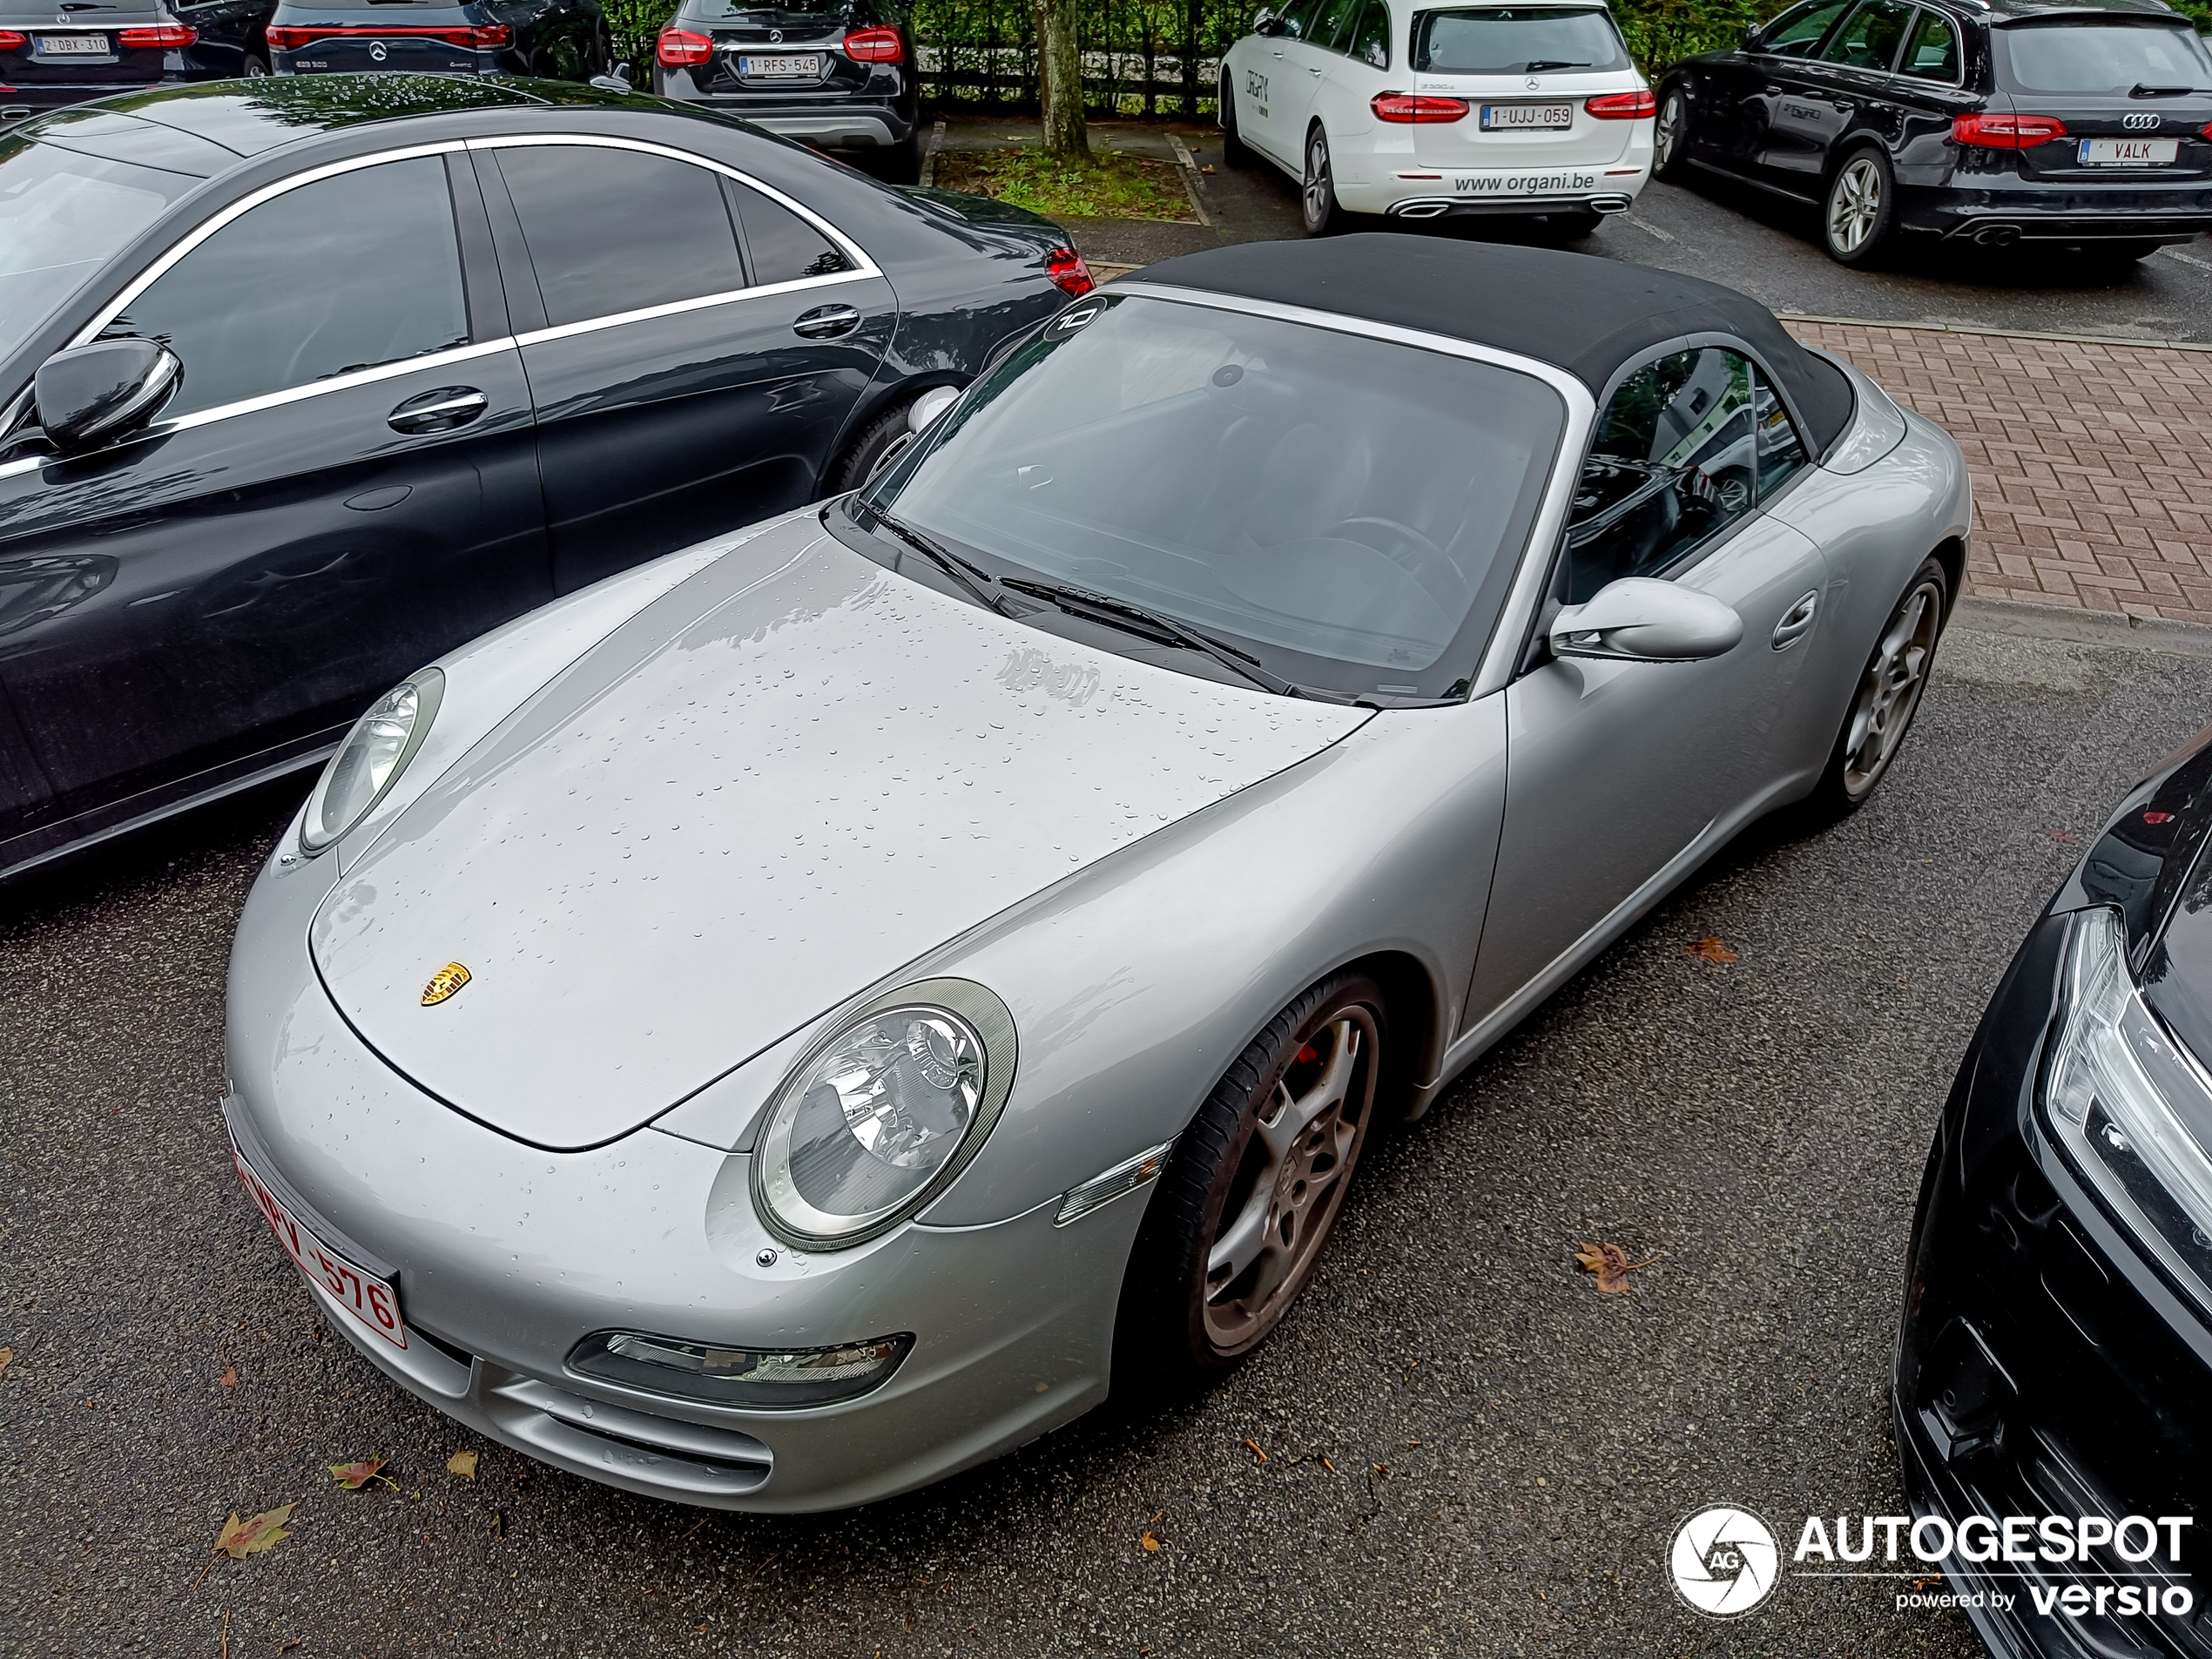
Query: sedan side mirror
x,y
615,80
92,395
1639,620
1272,28
1752,38
925,409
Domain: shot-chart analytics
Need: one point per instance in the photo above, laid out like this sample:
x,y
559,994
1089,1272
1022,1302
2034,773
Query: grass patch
x,y
1113,186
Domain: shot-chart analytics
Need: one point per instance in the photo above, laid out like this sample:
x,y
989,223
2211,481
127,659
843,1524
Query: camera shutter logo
x,y
1724,1561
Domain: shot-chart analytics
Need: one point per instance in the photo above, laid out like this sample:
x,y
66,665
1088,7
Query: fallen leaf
x,y
353,1476
1207,171
239,1539
1149,1544
1611,1264
1254,1446
1710,949
463,1463
2062,835
1325,1464
7,1358
1380,1468
230,1376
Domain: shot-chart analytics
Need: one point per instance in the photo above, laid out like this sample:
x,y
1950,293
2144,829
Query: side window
x,y
1870,37
1332,24
1298,18
1932,54
1371,35
784,246
1671,463
612,231
1796,34
348,272
1781,451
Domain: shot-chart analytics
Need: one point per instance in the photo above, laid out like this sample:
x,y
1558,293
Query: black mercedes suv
x,y
841,77
57,52
2078,124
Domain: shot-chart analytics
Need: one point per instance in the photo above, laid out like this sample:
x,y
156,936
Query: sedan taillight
x,y
1621,106
1403,107
1068,272
680,48
12,42
170,34
874,46
1991,131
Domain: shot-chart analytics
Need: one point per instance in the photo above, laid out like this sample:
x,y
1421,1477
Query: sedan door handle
x,y
1797,620
826,322
1311,71
441,410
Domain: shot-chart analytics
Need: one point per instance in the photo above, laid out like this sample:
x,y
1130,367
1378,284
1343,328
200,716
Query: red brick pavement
x,y
2091,462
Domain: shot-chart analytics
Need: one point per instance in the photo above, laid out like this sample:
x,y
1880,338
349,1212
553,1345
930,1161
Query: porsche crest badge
x,y
443,984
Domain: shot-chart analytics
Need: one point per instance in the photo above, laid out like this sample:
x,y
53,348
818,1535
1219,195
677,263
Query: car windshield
x,y
2097,56
1515,40
62,216
1345,511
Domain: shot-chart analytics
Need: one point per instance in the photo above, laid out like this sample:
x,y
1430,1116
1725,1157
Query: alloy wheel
x,y
1890,688
1854,204
1666,133
1320,189
1292,1181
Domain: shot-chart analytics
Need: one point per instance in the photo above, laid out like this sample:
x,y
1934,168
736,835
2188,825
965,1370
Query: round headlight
x,y
883,1113
371,758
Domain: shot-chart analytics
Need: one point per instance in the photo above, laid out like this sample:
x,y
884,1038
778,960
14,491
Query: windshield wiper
x,y
950,562
2139,90
1536,65
1139,619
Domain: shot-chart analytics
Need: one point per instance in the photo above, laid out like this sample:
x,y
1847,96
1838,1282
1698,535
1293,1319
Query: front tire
x,y
1887,696
1858,216
869,450
1235,153
1256,1183
1318,207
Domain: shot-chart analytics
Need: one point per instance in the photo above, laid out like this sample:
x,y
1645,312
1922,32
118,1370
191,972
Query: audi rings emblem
x,y
2145,122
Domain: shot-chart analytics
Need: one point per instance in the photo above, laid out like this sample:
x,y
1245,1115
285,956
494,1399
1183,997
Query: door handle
x,y
1311,71
826,322
440,410
1797,620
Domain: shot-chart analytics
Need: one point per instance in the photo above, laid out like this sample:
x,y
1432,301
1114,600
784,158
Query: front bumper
x,y
504,1257
2044,1367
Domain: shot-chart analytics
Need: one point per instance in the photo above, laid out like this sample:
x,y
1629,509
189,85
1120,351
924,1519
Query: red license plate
x,y
362,1293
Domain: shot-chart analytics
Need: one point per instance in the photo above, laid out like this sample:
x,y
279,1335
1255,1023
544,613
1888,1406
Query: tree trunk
x,y
1060,81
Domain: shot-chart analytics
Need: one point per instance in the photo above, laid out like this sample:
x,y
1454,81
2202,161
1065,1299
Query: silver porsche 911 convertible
x,y
805,1016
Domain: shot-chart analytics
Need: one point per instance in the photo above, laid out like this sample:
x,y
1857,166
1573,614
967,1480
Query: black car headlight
x,y
2131,1109
371,758
751,1376
882,1113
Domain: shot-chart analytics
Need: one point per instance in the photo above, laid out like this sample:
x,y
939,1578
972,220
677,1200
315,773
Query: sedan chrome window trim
x,y
244,204
1501,653
677,308
851,249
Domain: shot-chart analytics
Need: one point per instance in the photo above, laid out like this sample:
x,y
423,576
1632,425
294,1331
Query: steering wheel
x,y
1427,565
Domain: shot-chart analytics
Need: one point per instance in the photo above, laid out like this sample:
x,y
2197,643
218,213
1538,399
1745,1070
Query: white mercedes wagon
x,y
1375,107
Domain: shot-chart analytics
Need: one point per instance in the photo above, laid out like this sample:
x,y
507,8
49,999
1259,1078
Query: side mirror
x,y
925,409
1272,28
91,394
1638,620
1752,38
615,80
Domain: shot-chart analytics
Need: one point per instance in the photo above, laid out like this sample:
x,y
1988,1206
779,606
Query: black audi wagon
x,y
2066,124
305,381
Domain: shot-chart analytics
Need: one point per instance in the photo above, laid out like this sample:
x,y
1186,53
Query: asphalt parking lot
x,y
1467,1448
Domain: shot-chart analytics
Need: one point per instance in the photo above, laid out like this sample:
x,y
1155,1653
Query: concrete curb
x,y
2130,341
2082,627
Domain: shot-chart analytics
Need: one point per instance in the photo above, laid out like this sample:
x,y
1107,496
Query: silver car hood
x,y
776,785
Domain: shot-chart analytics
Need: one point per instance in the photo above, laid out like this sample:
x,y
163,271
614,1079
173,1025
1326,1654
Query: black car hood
x,y
2150,862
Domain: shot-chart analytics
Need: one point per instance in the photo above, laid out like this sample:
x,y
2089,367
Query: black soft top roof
x,y
1589,316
